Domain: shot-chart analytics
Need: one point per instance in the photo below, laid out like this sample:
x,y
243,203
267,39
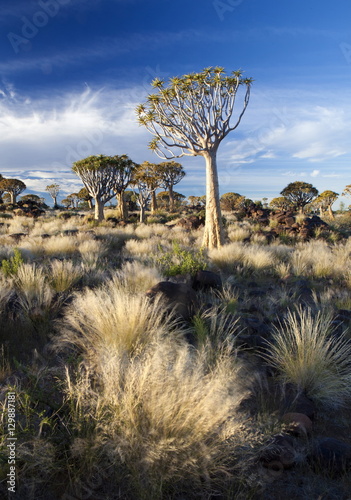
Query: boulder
x,y
192,222
297,424
179,297
204,280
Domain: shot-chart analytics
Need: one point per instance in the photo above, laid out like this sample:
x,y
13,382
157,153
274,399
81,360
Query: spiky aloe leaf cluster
x,y
191,115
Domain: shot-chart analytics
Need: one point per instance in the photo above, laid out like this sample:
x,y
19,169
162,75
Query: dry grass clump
x,y
320,260
258,257
150,230
306,353
165,419
34,293
254,257
238,233
141,248
227,257
63,275
60,246
134,277
91,251
111,319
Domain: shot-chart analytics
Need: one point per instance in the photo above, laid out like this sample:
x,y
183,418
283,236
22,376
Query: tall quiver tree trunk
x,y
122,205
153,201
99,209
171,198
214,232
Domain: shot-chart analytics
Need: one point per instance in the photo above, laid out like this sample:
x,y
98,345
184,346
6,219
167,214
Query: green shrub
x,y
180,261
10,266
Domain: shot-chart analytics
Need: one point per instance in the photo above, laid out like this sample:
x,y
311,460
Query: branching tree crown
x,y
299,193
53,190
191,116
101,176
171,174
13,187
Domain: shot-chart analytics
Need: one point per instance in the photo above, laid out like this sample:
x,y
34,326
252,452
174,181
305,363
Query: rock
x,y
280,450
297,423
70,232
331,455
192,222
178,296
205,280
17,236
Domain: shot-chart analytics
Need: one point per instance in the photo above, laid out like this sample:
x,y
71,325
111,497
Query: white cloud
x,y
315,173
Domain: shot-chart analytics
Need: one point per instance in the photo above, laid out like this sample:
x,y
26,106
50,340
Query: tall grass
x,y
111,319
306,353
165,418
34,293
134,277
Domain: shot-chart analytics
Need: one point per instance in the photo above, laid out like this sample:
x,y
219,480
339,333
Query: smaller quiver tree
x,y
125,177
53,190
100,176
325,201
171,174
300,194
13,187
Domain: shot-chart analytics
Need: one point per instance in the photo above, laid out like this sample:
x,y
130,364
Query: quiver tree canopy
x,y
191,116
171,174
13,187
101,175
299,193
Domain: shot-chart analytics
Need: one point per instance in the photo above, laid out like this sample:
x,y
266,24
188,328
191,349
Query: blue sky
x,y
72,72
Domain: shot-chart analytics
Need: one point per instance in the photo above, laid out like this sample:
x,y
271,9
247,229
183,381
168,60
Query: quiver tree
x,y
191,116
74,197
171,174
163,199
325,201
100,176
84,195
13,187
281,203
53,190
125,177
141,180
149,174
299,194
232,201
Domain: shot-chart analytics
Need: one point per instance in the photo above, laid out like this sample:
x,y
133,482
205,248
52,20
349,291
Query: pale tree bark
x,y
171,198
153,201
330,212
214,232
142,214
99,209
122,206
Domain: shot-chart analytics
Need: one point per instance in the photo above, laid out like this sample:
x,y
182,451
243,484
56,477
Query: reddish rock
x,y
297,423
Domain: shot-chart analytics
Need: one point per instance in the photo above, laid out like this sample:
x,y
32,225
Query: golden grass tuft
x,y
306,353
165,417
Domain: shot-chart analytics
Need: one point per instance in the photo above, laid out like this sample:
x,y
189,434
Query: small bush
x,y
181,261
10,266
